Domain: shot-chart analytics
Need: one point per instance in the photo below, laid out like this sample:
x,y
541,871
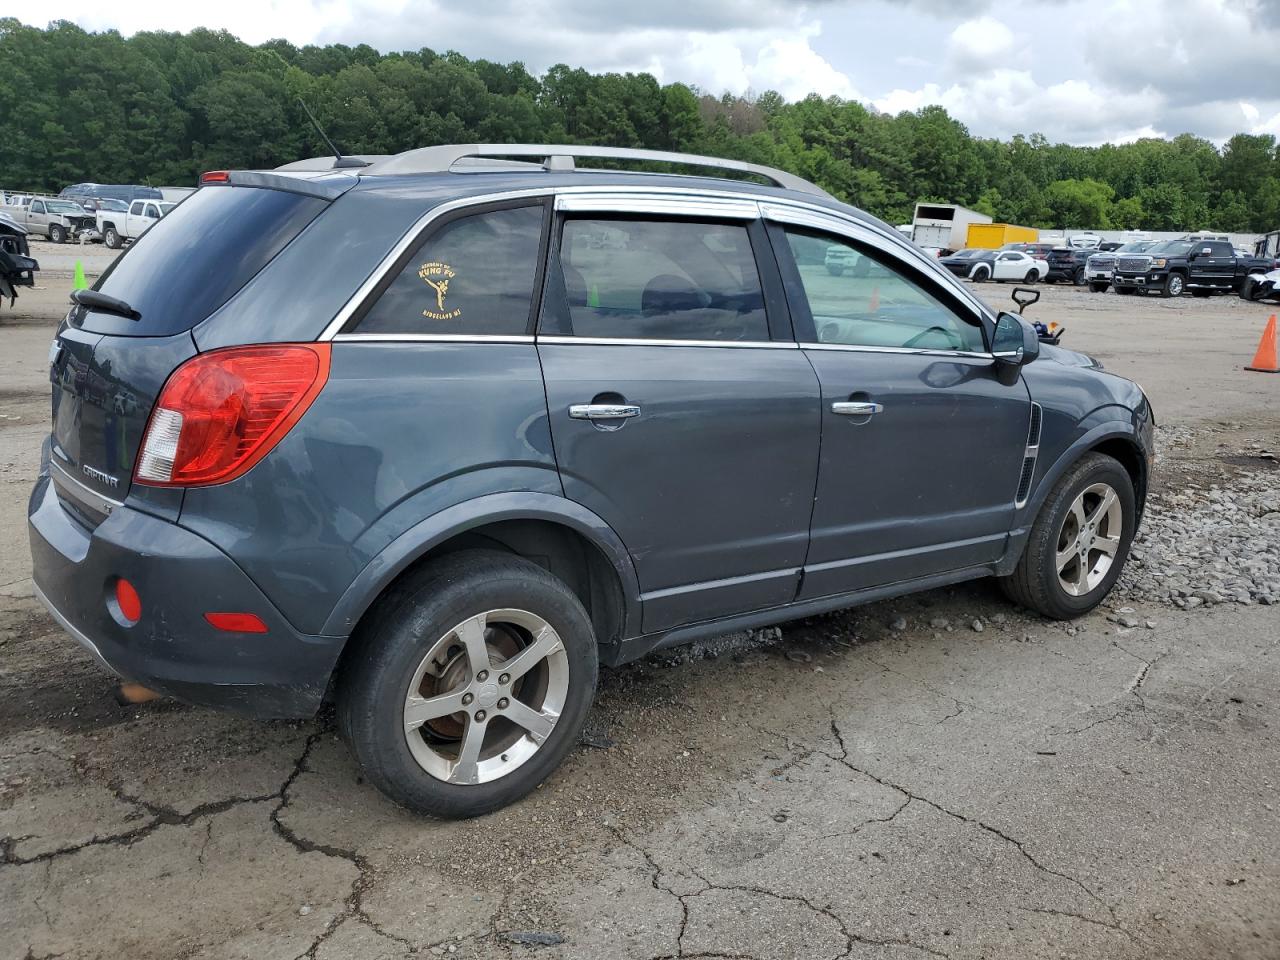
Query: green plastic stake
x,y
593,297
79,283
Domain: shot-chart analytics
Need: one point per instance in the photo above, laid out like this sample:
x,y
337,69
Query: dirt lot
x,y
942,775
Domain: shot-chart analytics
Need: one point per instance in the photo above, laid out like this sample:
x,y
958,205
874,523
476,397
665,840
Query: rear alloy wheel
x,y
1079,542
1174,285
111,238
981,275
1032,276
57,233
472,682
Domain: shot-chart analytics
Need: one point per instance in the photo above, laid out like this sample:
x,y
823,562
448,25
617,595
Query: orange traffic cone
x,y
1264,361
874,305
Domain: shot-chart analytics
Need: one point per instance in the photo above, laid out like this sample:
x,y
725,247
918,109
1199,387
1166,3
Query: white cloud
x,y
980,46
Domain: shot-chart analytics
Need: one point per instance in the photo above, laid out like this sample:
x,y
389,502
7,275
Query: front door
x,y
682,412
922,444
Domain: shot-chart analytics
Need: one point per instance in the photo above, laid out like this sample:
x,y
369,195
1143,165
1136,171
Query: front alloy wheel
x,y
1089,539
1174,285
1078,544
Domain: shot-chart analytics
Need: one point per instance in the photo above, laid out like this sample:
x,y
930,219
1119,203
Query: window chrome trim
x,y
643,202
642,342
782,209
913,351
87,496
432,338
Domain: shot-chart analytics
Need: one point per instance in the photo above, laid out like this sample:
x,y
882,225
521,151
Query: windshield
x,y
119,206
64,206
166,207
966,254
1172,248
1138,246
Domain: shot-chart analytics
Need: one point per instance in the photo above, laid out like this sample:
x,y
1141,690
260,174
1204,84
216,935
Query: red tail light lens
x,y
223,411
215,176
128,601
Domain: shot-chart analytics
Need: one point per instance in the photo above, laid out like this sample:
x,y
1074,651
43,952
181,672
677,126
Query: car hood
x,y
1068,358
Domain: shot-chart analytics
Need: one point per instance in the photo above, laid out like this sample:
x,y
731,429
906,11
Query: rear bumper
x,y
171,648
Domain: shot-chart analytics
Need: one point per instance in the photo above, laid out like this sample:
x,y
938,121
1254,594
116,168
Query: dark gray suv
x,y
432,435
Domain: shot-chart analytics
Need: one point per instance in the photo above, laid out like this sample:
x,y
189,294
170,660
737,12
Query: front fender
x,y
1110,422
419,539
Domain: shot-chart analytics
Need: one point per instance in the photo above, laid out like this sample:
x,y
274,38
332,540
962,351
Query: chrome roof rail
x,y
560,157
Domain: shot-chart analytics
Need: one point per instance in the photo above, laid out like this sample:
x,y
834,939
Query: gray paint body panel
x,y
401,431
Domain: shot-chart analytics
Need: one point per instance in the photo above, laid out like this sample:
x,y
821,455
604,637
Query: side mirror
x,y
1015,343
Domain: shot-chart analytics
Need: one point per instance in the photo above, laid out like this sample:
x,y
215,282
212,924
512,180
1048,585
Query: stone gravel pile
x,y
1211,543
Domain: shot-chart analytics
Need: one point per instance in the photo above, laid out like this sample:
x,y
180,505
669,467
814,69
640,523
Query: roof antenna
x,y
338,159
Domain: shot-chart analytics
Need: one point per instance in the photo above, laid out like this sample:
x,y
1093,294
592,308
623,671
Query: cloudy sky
x,y
1082,71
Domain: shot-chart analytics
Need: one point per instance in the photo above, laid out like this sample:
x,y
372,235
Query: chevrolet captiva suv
x,y
432,435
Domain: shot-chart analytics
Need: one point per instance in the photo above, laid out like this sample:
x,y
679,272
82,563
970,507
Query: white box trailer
x,y
943,225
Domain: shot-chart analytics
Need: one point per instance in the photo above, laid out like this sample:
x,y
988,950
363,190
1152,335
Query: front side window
x,y
871,303
38,207
473,276
136,209
661,280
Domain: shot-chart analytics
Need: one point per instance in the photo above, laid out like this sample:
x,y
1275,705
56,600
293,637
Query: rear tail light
x,y
221,412
236,622
215,176
128,601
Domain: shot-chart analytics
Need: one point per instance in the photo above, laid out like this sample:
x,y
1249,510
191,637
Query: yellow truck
x,y
993,236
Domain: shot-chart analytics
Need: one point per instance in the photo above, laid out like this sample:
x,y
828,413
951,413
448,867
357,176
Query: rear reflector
x,y
236,622
215,176
221,412
128,601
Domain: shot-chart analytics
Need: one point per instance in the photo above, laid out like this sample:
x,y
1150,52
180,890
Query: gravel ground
x,y
942,775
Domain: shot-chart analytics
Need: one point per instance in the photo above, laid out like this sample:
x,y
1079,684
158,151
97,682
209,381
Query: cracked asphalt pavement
x,y
942,775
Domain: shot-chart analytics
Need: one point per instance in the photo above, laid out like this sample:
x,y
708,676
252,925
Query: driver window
x,y
661,280
860,300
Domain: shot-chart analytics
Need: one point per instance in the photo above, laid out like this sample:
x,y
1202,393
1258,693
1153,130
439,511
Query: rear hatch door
x,y
107,369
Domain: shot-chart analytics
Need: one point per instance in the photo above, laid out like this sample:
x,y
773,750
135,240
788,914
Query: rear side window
x,y
474,276
661,280
193,261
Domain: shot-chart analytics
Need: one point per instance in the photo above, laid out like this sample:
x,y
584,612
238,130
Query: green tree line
x,y
158,108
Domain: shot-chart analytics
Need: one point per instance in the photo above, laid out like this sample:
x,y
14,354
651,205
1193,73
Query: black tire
x,y
834,269
111,238
1175,284
57,233
1099,287
1032,276
1079,279
415,613
1034,583
981,274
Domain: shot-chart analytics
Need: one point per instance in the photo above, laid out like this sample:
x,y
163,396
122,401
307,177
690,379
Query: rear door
x,y
922,444
681,410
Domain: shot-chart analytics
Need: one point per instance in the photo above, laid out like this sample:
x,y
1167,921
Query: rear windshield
x,y
192,261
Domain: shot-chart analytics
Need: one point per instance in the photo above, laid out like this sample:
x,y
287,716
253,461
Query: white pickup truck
x,y
58,220
117,226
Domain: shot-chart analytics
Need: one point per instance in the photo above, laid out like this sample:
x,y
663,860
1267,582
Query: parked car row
x,y
1172,267
980,265
85,219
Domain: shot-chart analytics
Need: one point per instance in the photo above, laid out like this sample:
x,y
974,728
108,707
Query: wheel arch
x,y
563,537
1115,438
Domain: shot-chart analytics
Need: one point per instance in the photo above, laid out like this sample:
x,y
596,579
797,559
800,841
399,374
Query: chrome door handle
x,y
856,408
603,411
